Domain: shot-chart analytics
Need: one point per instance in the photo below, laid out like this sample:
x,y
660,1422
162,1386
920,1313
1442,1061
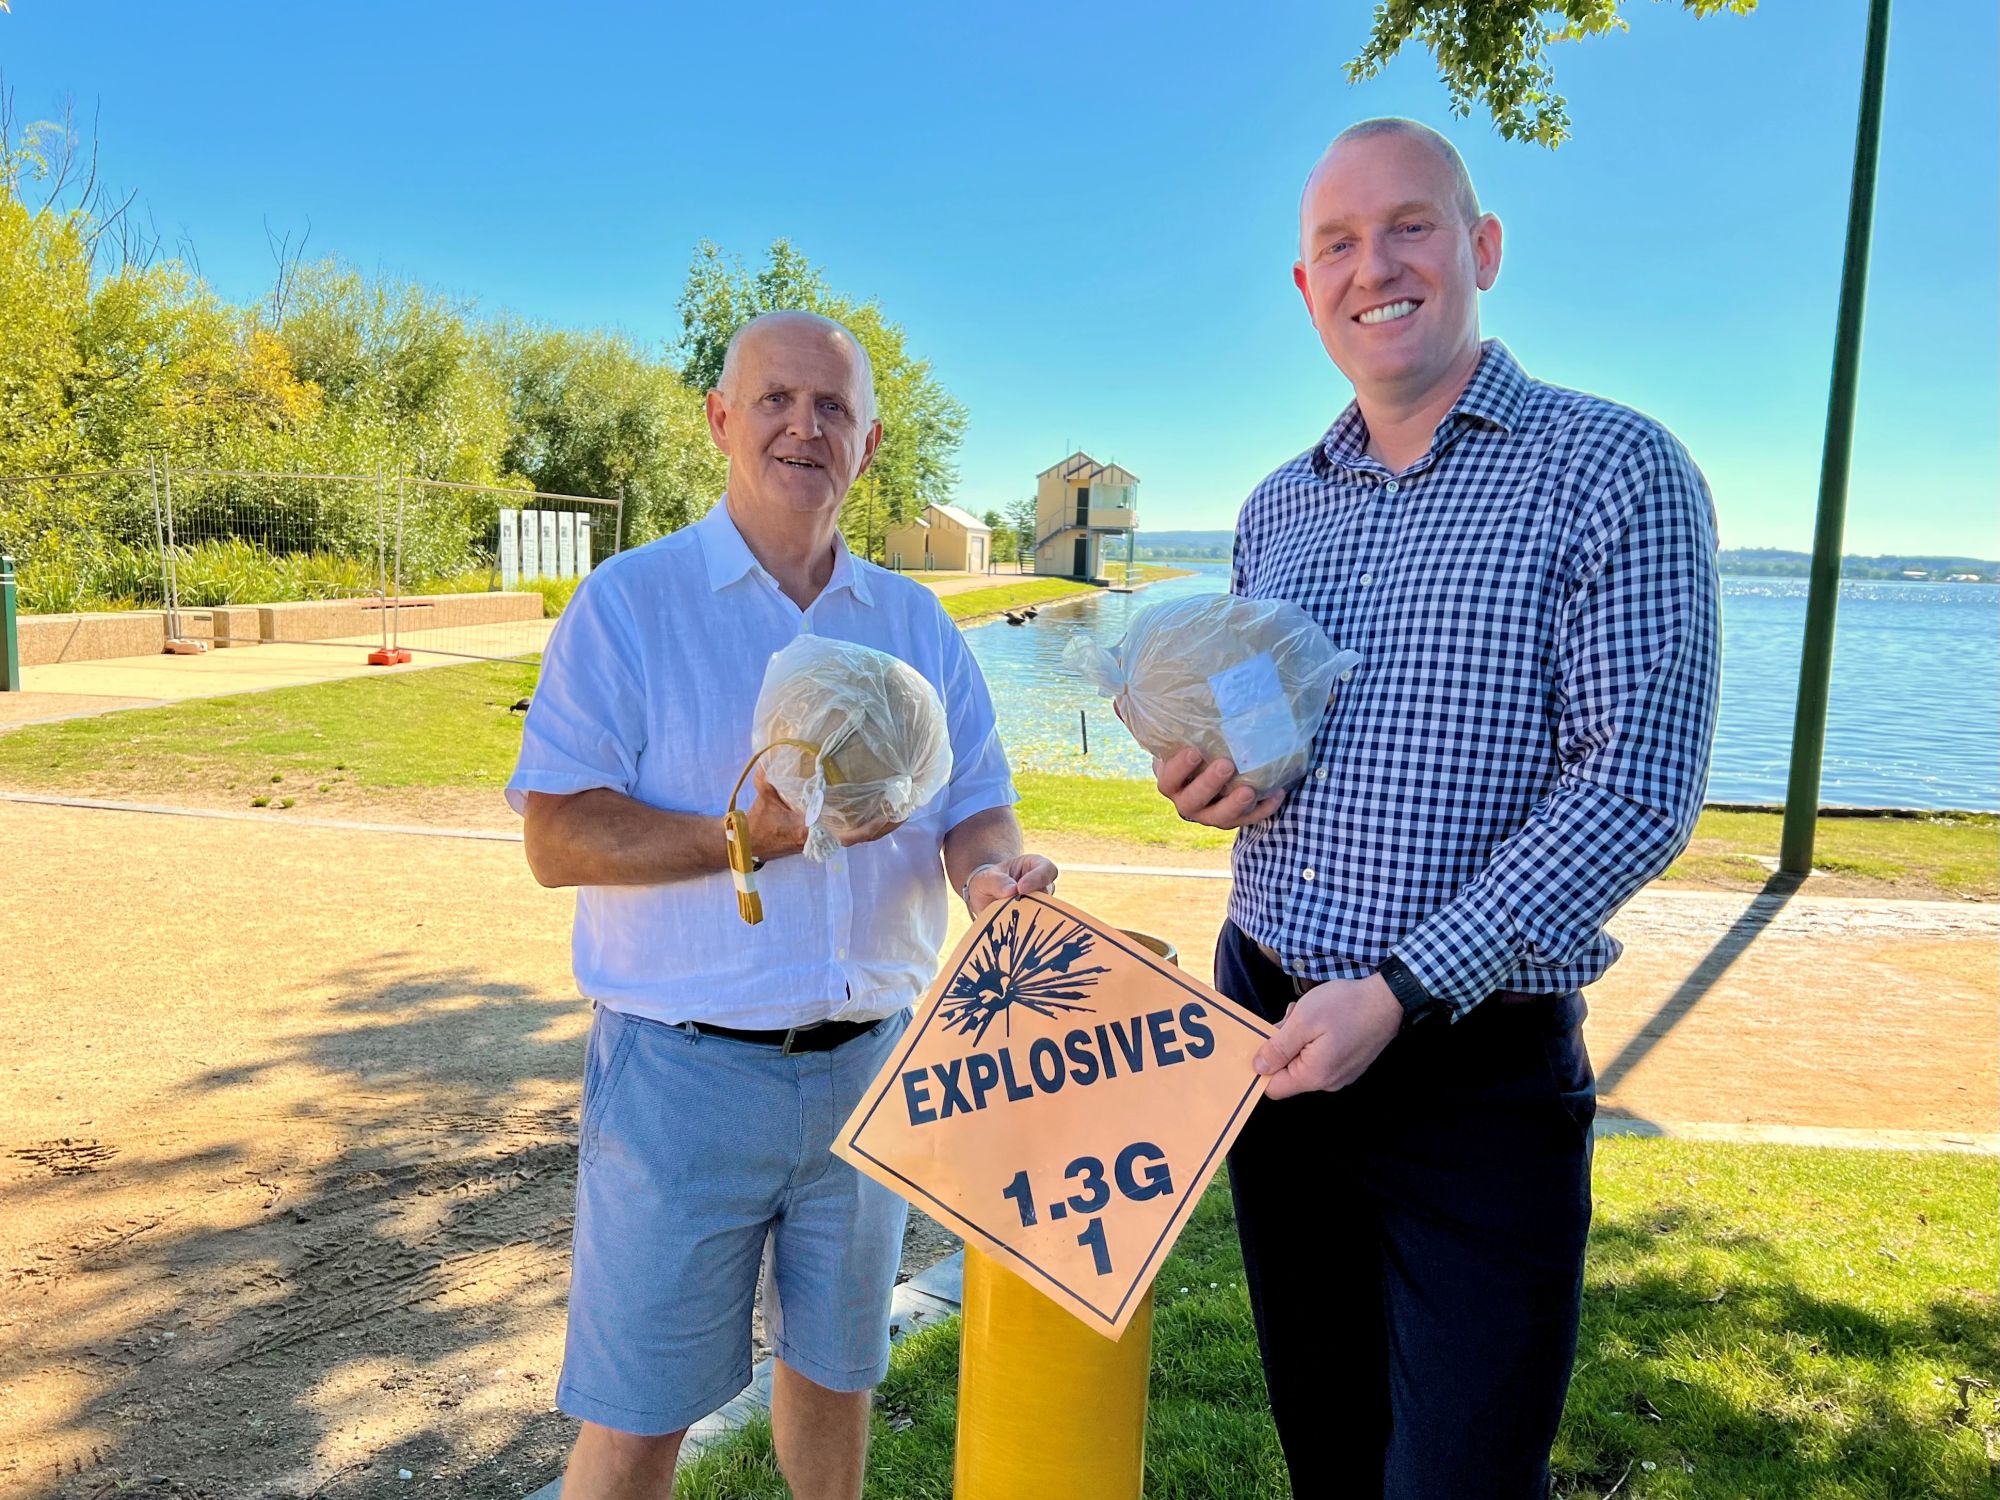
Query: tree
x,y
1006,540
593,415
922,422
44,294
1021,515
1493,52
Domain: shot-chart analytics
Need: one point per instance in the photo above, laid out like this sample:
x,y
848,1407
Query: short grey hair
x,y
727,384
1416,130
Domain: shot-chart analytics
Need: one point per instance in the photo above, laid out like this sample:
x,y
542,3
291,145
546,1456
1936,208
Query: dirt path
x,y
288,1154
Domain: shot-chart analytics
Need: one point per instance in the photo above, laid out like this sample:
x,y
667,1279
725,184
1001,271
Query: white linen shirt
x,y
648,688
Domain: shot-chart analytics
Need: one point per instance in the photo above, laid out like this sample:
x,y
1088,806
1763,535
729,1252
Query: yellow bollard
x,y
1048,1407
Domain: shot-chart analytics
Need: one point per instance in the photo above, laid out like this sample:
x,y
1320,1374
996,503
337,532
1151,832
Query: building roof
x,y
968,521
1082,463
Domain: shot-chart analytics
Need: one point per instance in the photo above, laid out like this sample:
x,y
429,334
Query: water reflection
x,y
1914,721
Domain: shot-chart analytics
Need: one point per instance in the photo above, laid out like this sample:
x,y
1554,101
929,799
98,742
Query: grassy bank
x,y
1946,855
451,727
1115,811
975,605
448,727
1757,1321
981,604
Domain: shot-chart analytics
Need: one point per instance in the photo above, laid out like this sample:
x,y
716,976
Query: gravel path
x,y
290,1116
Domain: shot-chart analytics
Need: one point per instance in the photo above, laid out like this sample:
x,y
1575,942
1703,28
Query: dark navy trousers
x,y
1414,1249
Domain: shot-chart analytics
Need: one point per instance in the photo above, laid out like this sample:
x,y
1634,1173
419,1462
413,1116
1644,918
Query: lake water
x,y
1914,719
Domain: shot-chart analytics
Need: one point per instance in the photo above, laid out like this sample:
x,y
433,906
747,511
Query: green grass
x,y
979,604
1942,854
1094,807
975,604
449,727
1796,1318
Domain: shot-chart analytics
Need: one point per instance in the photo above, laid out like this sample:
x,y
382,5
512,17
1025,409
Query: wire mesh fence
x,y
395,564
82,538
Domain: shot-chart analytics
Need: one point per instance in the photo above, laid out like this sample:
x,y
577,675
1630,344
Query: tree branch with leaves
x,y
1495,52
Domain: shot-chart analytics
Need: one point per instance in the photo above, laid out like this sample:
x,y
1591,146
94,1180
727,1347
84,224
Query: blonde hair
x,y
1416,130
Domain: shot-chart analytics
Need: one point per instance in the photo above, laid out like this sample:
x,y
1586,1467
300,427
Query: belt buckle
x,y
785,1050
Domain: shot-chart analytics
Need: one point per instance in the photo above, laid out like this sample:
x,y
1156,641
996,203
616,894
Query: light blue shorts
x,y
697,1154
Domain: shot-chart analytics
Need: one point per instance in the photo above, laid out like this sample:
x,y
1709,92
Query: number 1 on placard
x,y
1094,1238
1018,1191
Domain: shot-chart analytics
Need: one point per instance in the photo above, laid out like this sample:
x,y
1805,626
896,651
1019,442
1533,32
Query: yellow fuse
x,y
736,832
742,867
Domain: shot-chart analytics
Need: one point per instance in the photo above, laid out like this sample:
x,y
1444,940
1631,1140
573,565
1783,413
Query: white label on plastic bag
x,y
1257,721
1247,686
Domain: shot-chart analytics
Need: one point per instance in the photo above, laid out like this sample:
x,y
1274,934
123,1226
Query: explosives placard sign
x,y
1061,1099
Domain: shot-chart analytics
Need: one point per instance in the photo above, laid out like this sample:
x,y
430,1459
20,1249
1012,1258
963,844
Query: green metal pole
x,y
1816,663
10,630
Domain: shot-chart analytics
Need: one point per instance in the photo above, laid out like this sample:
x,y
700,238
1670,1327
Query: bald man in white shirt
x,y
724,1056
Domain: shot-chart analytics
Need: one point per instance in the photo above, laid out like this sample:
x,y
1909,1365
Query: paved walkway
x,y
1785,1009
80,688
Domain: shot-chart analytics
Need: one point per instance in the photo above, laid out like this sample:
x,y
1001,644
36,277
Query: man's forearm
x,y
602,837
986,838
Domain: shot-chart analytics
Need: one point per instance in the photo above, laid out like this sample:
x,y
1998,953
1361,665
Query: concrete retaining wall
x,y
329,619
47,639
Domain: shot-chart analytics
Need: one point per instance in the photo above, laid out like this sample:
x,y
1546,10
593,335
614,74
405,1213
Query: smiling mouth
x,y
798,463
1388,313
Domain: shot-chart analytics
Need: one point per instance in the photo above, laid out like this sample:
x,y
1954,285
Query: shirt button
x,y
1306,873
1348,675
1366,579
1319,773
841,953
1391,487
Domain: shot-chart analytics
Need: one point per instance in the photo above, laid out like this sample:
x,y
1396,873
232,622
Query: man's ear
x,y
868,446
1305,288
1486,252
718,420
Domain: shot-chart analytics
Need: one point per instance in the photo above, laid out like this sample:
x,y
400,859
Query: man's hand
x,y
1202,793
1328,1039
992,884
777,829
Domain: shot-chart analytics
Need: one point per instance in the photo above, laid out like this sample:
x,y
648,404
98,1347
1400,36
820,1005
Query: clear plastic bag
x,y
1248,679
883,748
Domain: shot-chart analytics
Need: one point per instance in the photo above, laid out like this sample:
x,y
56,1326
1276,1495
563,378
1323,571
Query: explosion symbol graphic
x,y
1029,964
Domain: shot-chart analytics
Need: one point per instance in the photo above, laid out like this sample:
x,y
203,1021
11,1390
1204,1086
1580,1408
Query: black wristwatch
x,y
1418,1003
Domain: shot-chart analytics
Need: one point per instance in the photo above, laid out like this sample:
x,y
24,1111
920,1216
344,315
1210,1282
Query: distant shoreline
x,y
1734,562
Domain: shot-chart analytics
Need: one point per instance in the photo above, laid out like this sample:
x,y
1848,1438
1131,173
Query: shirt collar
x,y
728,557
1494,396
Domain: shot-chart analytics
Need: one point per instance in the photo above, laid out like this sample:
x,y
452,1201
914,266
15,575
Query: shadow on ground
x,y
330,1295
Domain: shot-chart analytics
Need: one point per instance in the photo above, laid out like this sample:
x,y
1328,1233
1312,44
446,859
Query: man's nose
x,y
1379,262
804,421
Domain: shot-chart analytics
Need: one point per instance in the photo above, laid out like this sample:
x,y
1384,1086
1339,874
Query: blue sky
x,y
1085,215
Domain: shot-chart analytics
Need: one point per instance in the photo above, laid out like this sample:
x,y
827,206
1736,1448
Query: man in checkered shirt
x,y
1529,576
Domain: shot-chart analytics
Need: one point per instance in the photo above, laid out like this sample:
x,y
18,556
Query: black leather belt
x,y
823,1037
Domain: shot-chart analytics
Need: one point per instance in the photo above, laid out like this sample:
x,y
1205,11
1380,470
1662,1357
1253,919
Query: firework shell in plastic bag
x,y
1246,679
882,749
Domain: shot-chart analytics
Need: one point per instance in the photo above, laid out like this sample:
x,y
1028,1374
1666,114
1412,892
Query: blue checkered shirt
x,y
1526,740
